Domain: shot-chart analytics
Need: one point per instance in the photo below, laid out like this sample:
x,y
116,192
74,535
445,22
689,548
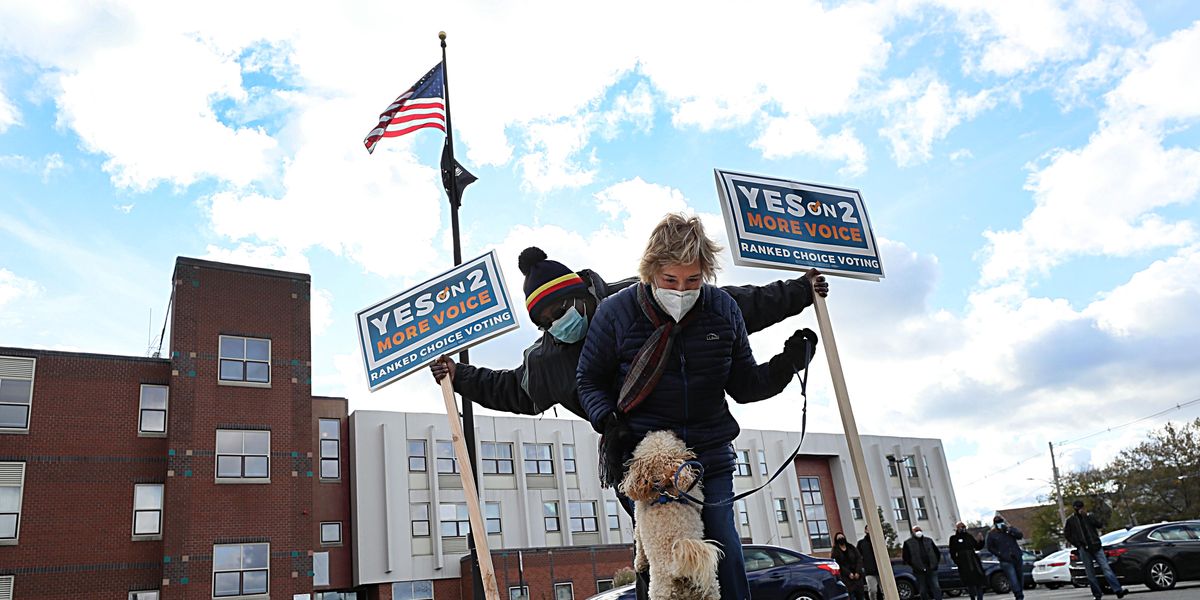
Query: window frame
x,y
781,510
462,527
816,515
743,513
136,594
920,508
335,542
28,404
487,520
428,521
538,461
556,516
583,519
741,466
411,591
612,518
900,508
521,590
423,457
910,467
142,410
856,510
491,465
337,450
16,536
243,382
570,589
568,456
156,535
763,468
241,479
603,585
241,571
438,447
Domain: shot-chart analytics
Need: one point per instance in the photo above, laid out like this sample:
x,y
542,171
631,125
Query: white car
x,y
1054,571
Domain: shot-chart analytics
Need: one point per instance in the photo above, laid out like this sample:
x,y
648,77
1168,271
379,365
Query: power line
x,y
1179,406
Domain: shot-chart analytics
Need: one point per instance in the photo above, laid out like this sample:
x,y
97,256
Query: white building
x,y
539,486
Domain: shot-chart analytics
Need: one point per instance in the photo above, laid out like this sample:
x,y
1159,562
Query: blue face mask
x,y
569,328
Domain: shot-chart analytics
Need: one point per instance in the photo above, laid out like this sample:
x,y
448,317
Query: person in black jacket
x,y
662,355
1002,542
1082,530
870,569
964,549
923,556
850,565
546,376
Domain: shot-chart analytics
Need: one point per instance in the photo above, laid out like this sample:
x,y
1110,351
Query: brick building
x,y
211,473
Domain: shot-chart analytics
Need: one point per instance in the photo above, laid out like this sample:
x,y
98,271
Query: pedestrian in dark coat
x,y
850,565
1002,542
870,569
662,355
1082,530
964,549
923,556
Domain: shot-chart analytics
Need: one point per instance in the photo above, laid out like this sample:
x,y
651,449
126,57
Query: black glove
x,y
616,447
786,363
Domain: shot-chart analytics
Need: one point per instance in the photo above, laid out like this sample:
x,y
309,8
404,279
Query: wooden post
x,y
478,532
857,459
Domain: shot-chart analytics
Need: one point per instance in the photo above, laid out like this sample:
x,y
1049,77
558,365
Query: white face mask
x,y
919,534
676,303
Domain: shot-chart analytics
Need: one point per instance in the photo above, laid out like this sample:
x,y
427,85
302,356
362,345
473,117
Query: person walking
x,y
1002,543
662,355
923,556
1082,530
964,549
850,565
870,569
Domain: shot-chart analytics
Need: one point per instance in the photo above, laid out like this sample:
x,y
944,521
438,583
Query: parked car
x,y
1054,571
1027,559
1158,555
775,574
948,578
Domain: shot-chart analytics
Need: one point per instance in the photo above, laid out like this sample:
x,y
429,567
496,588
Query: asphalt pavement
x,y
1183,591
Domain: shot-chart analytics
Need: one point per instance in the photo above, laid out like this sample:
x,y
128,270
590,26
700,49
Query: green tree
x,y
1159,479
889,534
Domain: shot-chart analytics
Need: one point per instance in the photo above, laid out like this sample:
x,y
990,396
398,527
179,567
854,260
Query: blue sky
x,y
1031,169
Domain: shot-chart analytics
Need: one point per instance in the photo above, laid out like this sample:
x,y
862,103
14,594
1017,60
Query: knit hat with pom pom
x,y
547,282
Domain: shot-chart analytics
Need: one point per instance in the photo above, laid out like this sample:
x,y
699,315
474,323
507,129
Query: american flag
x,y
420,107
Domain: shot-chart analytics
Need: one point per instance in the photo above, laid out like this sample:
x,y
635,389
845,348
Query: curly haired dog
x,y
669,534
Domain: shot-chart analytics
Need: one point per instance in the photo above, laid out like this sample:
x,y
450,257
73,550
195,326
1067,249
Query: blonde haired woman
x,y
662,355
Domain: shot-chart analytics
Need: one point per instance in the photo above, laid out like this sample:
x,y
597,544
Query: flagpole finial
x,y
442,35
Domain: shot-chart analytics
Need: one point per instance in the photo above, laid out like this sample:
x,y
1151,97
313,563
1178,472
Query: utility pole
x,y
1062,512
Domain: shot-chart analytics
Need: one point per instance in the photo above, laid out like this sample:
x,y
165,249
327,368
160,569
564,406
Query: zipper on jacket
x,y
683,372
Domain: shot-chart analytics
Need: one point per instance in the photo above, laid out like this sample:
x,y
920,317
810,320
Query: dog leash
x,y
683,493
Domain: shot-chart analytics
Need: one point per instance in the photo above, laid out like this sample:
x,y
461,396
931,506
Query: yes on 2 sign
x,y
449,313
795,225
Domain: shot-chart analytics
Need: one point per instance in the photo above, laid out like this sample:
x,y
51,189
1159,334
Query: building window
x,y
814,512
900,509
762,462
12,483
497,458
420,519
539,459
447,464
16,392
603,585
583,517
568,458
147,509
856,509
331,533
742,468
920,508
245,359
320,568
781,510
152,409
332,596
910,467
564,591
243,454
416,455
891,467
743,513
412,590
491,515
331,436
454,519
610,512
518,593
550,515
240,569
142,595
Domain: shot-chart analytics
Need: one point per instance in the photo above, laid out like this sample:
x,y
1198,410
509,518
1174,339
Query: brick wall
x,y
331,498
818,466
545,567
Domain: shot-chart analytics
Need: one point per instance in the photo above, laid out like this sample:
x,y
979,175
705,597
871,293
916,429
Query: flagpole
x,y
468,411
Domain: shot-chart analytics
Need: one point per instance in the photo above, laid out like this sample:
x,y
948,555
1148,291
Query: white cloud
x,y
1159,301
322,311
927,114
13,287
124,208
268,257
784,137
1162,85
9,115
552,159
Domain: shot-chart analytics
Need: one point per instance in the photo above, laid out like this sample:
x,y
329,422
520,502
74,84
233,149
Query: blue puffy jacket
x,y
710,357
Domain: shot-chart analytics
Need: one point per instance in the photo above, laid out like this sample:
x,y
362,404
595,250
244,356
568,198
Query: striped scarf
x,y
645,371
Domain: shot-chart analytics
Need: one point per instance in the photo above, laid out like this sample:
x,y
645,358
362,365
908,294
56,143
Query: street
x,y
1184,591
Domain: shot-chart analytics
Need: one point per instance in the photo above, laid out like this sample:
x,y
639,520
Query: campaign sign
x,y
449,313
794,225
